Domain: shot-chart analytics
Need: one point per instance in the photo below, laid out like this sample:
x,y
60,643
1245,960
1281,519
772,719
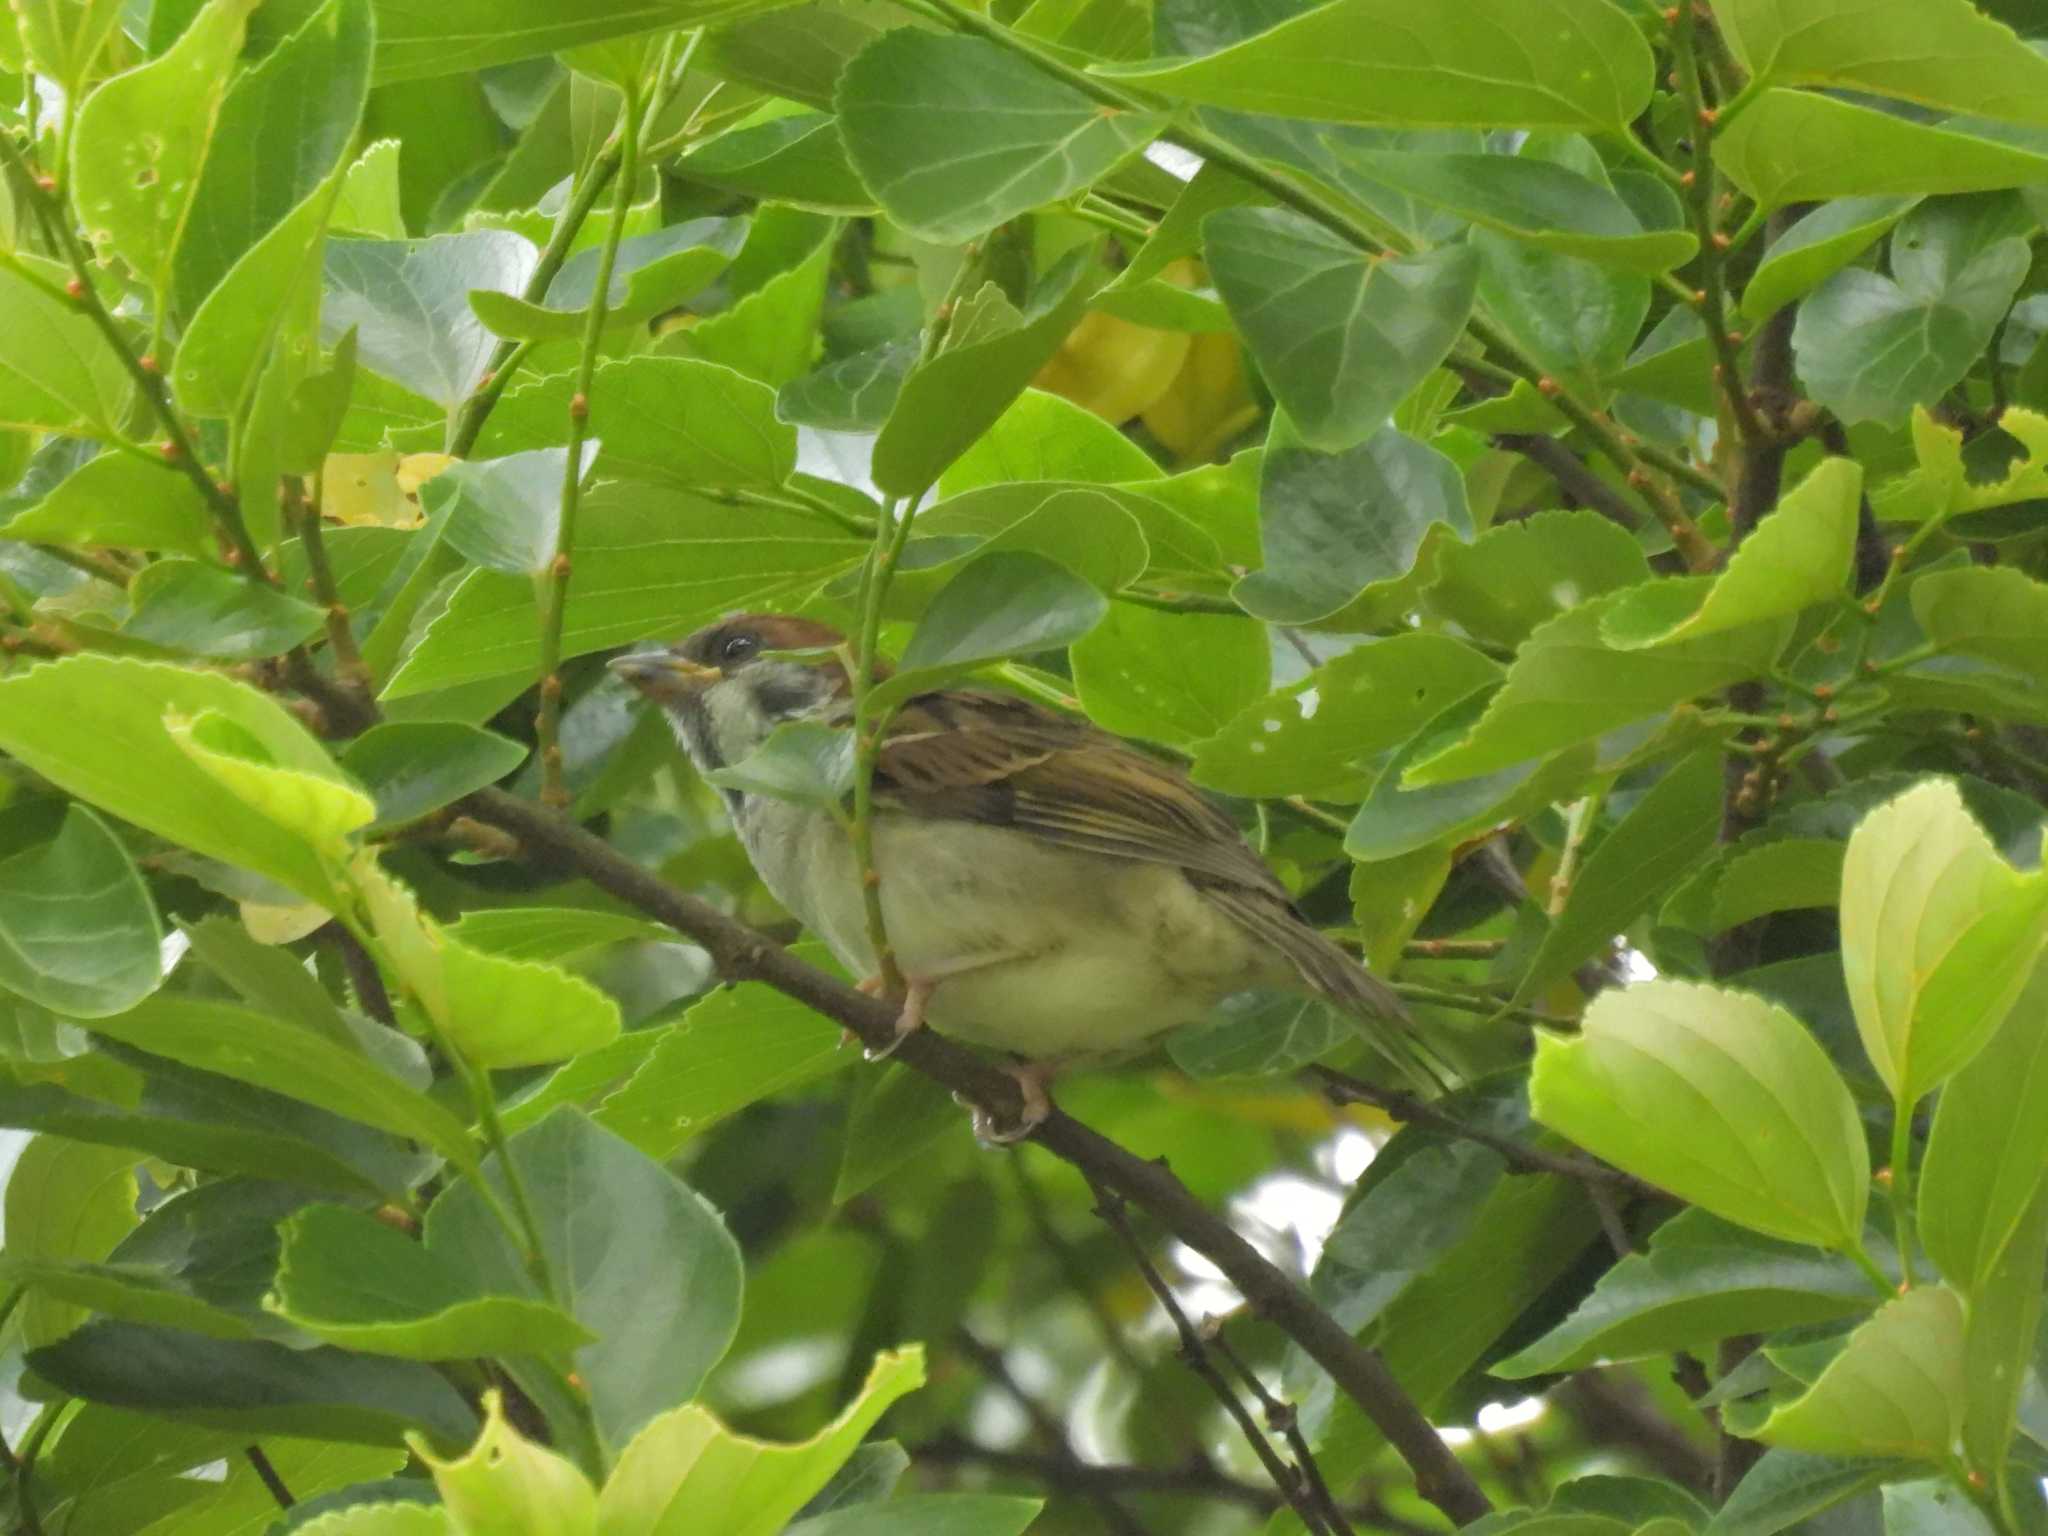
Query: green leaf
x,y
498,1012
1170,677
63,38
57,372
1548,206
66,1200
806,761
1870,348
650,565
141,138
733,1048
1398,818
508,1486
1047,437
352,1281
368,203
1796,147
666,420
854,394
897,1117
1091,530
78,932
285,1058
991,351
1566,685
1772,1139
1701,1281
460,36
197,607
1943,53
1340,334
955,135
551,933
202,1121
1518,575
1662,838
686,1462
1778,877
307,93
1494,63
256,1386
1316,737
1932,1504
2004,1323
1996,612
1939,935
926,1514
1002,604
1339,529
1896,1390
1799,556
1988,1151
653,273
408,303
771,334
1259,1033
93,725
643,1262
800,159
416,766
504,514
1786,1487
1577,320
200,1261
115,499
1822,243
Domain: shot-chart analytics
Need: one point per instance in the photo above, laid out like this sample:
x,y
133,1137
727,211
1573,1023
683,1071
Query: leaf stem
x,y
554,592
1711,299
1902,1185
341,639
505,357
1879,1280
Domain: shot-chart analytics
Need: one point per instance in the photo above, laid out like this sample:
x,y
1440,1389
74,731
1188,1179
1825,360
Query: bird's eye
x,y
738,646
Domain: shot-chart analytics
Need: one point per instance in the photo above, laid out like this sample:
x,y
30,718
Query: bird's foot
x,y
1031,1078
910,1020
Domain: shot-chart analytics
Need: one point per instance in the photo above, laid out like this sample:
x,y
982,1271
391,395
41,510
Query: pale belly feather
x,y
1043,951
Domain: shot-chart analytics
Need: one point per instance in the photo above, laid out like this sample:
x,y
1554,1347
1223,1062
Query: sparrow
x,y
1048,890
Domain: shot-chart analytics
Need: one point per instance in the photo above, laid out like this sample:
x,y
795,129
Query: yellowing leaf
x,y
1939,934
508,1486
497,1011
1112,367
321,809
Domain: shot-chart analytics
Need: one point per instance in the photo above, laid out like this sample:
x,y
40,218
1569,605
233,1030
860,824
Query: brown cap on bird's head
x,y
694,664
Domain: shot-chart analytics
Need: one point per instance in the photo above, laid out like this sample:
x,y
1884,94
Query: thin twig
x,y
738,953
1292,1481
268,1474
341,639
1051,1433
1614,1409
554,589
1282,1420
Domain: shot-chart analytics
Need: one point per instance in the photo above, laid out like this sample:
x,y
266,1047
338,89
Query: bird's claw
x,y
1036,1107
909,1021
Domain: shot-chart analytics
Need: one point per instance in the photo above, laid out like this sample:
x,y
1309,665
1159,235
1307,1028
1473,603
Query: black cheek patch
x,y
781,697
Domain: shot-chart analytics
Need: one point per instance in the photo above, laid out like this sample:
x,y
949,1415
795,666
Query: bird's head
x,y
731,683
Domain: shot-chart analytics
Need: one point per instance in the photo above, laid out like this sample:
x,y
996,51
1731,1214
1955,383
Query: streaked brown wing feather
x,y
1005,762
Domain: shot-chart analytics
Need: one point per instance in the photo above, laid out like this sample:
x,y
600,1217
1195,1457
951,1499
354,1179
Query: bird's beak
x,y
664,675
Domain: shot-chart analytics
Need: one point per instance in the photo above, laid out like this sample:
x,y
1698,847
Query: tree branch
x,y
1615,1410
740,954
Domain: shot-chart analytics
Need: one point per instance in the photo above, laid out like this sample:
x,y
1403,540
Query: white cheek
x,y
736,722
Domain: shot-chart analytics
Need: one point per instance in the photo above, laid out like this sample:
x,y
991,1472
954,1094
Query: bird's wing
x,y
1004,762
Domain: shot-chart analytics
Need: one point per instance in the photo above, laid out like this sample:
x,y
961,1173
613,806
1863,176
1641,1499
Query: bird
x,y
1048,891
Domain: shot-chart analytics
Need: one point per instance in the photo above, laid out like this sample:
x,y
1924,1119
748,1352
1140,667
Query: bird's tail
x,y
1383,1019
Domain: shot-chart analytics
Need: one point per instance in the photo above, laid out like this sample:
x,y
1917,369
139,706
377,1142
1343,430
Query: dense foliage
x,y
1554,469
